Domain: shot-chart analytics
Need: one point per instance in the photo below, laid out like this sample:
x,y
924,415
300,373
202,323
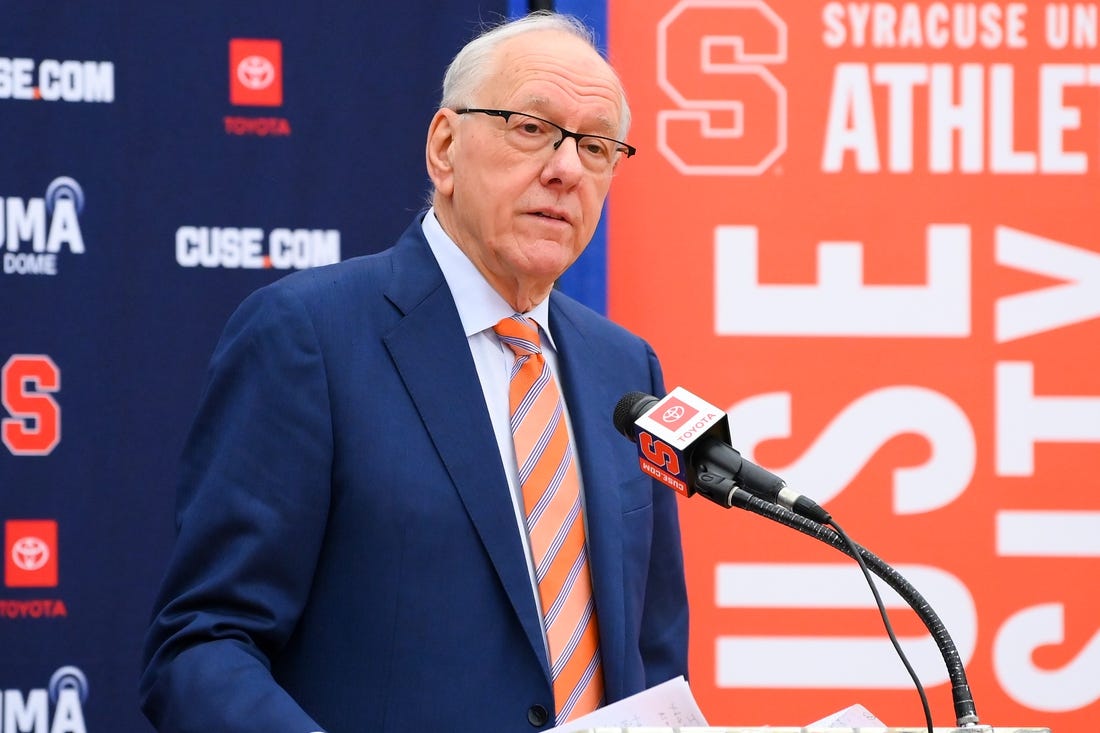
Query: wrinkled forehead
x,y
559,76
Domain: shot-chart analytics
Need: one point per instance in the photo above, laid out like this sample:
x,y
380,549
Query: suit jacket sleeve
x,y
252,508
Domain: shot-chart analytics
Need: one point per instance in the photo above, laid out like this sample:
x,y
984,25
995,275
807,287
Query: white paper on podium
x,y
853,716
668,705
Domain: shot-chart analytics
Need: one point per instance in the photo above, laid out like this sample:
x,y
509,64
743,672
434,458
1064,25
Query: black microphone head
x,y
631,406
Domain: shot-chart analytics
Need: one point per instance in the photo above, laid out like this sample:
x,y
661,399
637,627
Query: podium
x,y
816,729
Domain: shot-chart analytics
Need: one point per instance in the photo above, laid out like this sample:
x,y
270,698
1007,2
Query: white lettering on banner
x,y
48,224
1071,687
1003,155
811,661
841,304
953,127
219,247
946,118
913,25
1048,534
895,76
31,714
866,424
851,124
16,78
28,263
302,248
712,131
236,247
1074,27
1055,117
1023,419
25,222
67,691
75,81
1076,300
65,81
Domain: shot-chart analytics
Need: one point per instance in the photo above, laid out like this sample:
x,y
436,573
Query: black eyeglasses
x,y
530,134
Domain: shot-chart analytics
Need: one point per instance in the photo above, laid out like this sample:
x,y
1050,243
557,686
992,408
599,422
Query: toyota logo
x,y
256,72
30,553
673,414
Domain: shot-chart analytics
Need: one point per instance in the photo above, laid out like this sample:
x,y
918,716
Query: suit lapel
x,y
465,442
590,408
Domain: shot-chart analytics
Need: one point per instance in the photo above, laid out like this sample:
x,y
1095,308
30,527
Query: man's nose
x,y
565,162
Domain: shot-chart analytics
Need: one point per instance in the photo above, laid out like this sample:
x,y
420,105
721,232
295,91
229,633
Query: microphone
x,y
683,442
681,437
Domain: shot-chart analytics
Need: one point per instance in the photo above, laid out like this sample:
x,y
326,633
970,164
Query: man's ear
x,y
439,151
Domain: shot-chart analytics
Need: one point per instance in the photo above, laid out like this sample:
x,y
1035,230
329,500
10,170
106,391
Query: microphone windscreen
x,y
630,407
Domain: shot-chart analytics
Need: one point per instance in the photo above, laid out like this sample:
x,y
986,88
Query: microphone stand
x,y
725,492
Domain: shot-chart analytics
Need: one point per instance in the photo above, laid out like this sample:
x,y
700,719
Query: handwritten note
x,y
668,705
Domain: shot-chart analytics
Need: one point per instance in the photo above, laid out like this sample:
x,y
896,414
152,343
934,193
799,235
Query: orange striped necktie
x,y
552,506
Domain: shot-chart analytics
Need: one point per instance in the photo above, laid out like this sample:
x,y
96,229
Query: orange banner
x,y
869,231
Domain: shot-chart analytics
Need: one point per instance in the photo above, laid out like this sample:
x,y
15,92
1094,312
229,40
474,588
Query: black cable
x,y
857,552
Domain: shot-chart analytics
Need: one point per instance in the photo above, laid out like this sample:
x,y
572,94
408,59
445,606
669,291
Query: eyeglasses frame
x,y
628,149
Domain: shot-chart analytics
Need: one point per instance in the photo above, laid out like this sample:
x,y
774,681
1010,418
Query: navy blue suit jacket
x,y
348,556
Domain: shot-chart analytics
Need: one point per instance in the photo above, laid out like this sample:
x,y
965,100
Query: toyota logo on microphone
x,y
672,412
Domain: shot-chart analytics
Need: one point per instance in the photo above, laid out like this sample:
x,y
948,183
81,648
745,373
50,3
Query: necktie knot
x,y
521,334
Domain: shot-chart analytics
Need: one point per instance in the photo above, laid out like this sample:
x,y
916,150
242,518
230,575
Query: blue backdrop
x,y
157,163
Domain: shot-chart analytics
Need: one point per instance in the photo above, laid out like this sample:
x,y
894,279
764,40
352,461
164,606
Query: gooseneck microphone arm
x,y
725,492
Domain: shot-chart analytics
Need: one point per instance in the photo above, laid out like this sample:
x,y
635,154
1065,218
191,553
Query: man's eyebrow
x,y
539,104
608,126
603,122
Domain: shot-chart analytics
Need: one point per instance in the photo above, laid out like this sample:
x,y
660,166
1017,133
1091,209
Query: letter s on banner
x,y
1066,688
731,112
858,431
34,428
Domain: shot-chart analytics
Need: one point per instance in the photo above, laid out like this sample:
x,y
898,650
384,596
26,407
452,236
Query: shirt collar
x,y
480,307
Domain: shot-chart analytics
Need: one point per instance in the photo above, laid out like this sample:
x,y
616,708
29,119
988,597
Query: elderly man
x,y
403,505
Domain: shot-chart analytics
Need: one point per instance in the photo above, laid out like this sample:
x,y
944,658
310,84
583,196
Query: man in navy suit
x,y
352,553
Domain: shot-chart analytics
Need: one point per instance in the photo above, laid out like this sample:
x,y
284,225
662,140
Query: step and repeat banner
x,y
158,162
870,231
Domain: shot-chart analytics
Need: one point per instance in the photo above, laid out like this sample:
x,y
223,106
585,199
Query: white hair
x,y
467,71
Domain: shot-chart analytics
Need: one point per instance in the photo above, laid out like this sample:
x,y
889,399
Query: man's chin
x,y
541,263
